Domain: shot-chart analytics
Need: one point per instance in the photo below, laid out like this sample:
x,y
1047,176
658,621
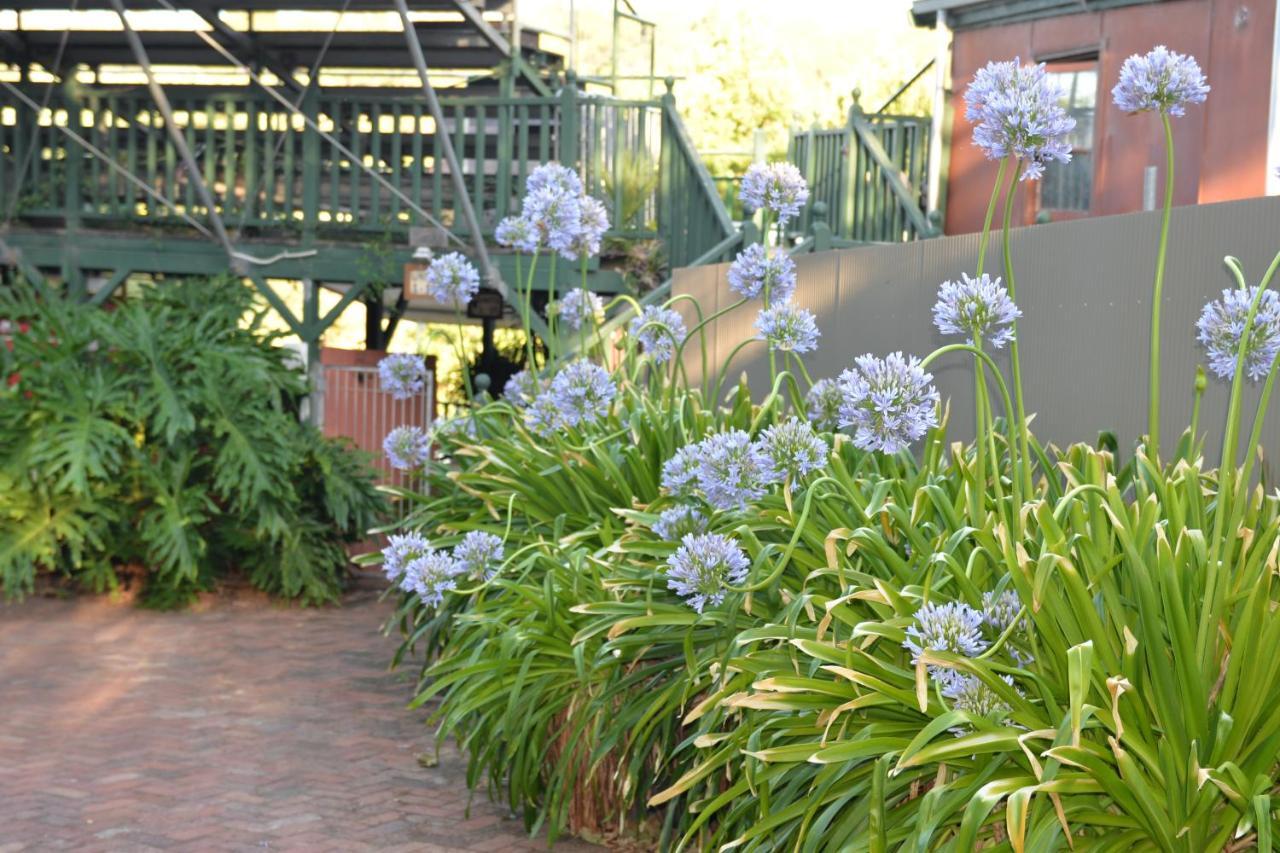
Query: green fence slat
x,y
460,152
437,169
230,162
418,165
397,161
480,159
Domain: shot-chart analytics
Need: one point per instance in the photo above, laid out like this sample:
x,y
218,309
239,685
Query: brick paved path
x,y
246,726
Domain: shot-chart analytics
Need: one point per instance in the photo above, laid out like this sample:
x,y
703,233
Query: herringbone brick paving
x,y
244,725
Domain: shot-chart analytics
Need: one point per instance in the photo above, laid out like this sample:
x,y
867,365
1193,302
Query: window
x,y
1069,186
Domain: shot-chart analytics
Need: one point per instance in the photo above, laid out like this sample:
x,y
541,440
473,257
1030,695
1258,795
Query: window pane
x,y
1069,186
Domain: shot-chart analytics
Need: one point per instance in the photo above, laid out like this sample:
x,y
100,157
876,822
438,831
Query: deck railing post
x,y
568,149
310,168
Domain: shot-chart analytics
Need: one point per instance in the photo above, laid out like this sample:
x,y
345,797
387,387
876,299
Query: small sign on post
x,y
415,273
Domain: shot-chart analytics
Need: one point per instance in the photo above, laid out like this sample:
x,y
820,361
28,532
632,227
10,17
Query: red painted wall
x,y
1221,145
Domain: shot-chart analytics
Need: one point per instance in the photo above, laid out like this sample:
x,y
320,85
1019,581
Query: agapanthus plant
x,y
823,403
431,576
704,567
659,331
553,176
778,188
787,327
953,627
582,391
407,447
674,523
1160,80
580,306
521,388
1221,330
1017,111
889,402
593,222
758,271
402,375
978,308
680,472
479,555
557,216
401,550
451,278
1166,82
517,232
793,449
732,469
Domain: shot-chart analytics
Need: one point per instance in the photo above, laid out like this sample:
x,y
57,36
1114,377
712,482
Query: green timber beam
x,y
126,253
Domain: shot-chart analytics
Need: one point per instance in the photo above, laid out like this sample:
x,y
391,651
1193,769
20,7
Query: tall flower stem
x,y
996,191
700,329
1024,470
553,345
528,311
1153,382
980,382
462,355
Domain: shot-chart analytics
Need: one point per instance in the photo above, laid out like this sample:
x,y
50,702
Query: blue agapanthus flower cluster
x,y
517,232
1221,330
593,222
400,551
1017,109
555,177
521,388
954,627
542,416
823,404
1002,611
675,523
758,271
1160,80
704,567
793,449
580,305
776,187
680,472
659,331
402,375
479,555
556,214
889,402
452,278
969,693
787,327
979,308
407,447
733,470
582,391
431,575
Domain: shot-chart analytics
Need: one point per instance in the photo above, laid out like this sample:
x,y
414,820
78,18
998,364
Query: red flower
x,y
14,378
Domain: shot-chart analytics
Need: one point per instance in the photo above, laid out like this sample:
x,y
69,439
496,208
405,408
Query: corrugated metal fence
x,y
1084,288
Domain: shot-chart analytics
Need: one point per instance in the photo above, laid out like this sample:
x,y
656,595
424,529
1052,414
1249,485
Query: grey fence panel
x,y
1084,288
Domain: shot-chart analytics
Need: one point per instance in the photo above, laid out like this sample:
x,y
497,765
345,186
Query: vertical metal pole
x,y
613,72
455,169
315,370
937,127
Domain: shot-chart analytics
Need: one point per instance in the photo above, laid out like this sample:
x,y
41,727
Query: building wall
x,y
1221,145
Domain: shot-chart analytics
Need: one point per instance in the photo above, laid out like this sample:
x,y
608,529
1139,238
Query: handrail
x,y
681,137
896,185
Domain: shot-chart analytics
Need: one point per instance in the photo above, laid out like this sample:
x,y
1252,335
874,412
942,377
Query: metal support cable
x,y
455,169
179,142
326,136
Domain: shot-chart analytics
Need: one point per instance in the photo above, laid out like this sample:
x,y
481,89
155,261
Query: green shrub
x,y
164,433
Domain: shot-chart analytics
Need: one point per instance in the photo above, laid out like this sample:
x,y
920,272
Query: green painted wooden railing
x,y
871,175
271,173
